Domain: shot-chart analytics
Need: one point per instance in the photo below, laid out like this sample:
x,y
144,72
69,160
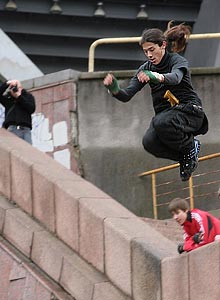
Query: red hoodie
x,y
199,221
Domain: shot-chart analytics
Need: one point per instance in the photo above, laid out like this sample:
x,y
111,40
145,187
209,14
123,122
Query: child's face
x,y
179,216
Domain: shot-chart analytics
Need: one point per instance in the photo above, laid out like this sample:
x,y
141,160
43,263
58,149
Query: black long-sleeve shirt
x,y
18,111
177,79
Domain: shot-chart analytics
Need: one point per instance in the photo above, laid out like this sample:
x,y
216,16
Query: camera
x,y
14,88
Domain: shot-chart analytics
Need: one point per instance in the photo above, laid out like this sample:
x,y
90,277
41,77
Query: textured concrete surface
x,y
87,241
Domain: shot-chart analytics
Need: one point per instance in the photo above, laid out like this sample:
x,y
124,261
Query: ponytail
x,y
177,36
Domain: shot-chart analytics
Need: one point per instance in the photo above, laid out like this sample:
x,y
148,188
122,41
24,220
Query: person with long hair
x,y
176,123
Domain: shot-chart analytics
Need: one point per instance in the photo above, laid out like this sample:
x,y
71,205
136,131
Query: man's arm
x,y
3,87
26,101
23,98
124,94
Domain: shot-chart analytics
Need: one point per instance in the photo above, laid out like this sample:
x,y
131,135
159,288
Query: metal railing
x,y
135,40
170,167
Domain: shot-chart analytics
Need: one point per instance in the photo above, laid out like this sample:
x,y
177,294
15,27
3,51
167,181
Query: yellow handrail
x,y
170,167
135,40
173,166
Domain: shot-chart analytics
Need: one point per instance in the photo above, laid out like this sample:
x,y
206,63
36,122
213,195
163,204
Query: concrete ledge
x,y
55,77
204,272
175,277
146,257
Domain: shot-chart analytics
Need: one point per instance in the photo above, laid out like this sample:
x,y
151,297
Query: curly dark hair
x,y
175,36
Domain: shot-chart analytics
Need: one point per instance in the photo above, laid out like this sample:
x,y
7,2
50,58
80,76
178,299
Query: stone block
x,y
5,171
130,245
79,278
16,288
43,197
6,263
48,253
146,257
21,182
118,235
17,272
175,278
204,272
105,290
67,215
4,205
81,188
93,212
19,229
42,293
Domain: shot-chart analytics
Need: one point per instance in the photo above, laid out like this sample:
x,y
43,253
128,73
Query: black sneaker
x,y
189,163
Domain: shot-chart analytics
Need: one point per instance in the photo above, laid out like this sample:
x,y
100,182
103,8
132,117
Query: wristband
x,y
154,76
114,86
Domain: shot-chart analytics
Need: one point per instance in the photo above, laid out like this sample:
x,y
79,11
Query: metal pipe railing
x,y
170,167
135,40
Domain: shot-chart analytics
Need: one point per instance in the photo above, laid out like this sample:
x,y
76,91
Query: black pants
x,y
171,132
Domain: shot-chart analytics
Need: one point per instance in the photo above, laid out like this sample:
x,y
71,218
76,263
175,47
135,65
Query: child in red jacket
x,y
200,227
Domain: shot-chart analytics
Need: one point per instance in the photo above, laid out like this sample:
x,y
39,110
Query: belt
x,y
18,127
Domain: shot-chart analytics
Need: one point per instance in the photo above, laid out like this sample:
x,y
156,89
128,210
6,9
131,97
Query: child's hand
x,y
180,248
198,237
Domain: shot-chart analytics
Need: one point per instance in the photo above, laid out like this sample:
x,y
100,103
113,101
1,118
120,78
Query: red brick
x,y
48,112
63,91
61,112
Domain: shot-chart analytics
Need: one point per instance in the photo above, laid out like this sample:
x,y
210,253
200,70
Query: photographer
x,y
19,106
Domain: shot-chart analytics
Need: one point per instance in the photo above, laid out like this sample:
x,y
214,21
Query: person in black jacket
x,y
19,106
176,122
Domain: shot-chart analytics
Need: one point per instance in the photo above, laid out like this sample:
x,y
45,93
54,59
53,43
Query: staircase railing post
x,y
154,195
